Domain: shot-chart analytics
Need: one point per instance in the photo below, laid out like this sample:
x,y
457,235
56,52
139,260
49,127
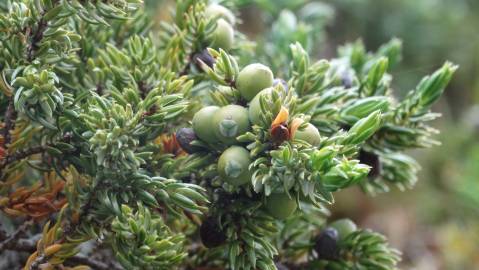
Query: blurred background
x,y
436,225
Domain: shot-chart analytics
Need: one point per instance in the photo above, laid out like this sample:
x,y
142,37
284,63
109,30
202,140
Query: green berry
x,y
230,122
286,23
309,134
219,11
280,205
252,79
226,90
203,124
254,110
233,165
223,35
344,227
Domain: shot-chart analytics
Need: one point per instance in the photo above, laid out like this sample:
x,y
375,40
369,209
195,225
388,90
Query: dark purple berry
x,y
184,137
205,57
345,127
347,79
211,234
326,245
371,160
282,82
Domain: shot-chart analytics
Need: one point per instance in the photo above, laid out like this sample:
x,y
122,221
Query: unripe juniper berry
x,y
233,165
280,205
229,122
252,79
203,124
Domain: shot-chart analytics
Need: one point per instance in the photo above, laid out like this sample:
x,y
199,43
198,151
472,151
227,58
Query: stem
x,y
186,69
75,260
10,116
84,210
94,264
21,154
9,241
37,36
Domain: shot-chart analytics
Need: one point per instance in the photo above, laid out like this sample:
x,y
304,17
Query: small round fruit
x,y
223,35
280,205
233,166
372,160
205,57
326,244
229,122
215,10
344,227
347,79
310,134
203,124
211,234
254,109
286,22
184,137
226,90
252,79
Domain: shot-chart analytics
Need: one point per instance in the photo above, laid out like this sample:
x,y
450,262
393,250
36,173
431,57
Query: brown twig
x,y
36,38
13,238
185,70
192,218
74,260
10,116
37,35
19,155
94,264
26,245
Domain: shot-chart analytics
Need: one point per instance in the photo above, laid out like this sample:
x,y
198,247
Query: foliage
x,y
93,95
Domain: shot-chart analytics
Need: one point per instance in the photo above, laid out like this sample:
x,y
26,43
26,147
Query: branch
x,y
77,259
21,154
37,36
26,245
10,116
94,264
13,238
